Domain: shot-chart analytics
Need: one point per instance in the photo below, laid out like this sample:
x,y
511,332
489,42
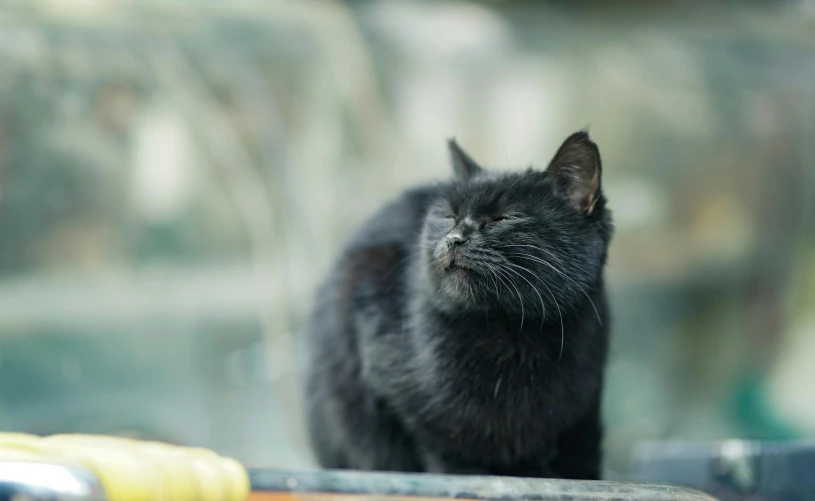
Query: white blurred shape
x,y
430,109
637,204
524,108
440,30
54,478
162,174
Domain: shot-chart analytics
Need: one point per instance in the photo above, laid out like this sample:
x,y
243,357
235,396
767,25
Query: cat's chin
x,y
459,269
457,284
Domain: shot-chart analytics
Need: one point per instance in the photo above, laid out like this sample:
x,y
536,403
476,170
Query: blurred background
x,y
176,177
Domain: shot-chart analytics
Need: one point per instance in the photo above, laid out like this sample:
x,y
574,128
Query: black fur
x,y
465,328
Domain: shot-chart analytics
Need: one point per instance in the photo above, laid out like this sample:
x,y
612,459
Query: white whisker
x,y
520,298
560,314
546,263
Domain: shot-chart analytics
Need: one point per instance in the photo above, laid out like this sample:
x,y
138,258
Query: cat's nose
x,y
455,238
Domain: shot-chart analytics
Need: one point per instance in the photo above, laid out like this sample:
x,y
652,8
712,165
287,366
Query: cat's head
x,y
533,240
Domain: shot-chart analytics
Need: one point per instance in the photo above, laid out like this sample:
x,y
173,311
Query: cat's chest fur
x,y
480,383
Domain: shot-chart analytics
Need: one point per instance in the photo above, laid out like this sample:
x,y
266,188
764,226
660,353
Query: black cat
x,y
465,328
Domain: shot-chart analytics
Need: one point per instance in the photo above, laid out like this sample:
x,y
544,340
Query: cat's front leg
x,y
537,468
579,454
434,463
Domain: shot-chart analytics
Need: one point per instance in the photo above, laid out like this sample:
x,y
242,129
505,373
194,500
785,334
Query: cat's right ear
x,y
464,167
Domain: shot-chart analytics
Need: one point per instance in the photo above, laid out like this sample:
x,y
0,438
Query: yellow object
x,y
209,478
238,479
17,440
124,473
132,470
182,481
20,455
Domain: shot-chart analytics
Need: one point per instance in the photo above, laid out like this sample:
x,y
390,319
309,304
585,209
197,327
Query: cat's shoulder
x,y
398,220
410,205
372,260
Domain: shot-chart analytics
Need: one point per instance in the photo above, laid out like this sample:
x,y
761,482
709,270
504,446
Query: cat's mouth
x,y
457,263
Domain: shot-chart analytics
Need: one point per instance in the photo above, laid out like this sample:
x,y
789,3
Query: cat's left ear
x,y
464,167
577,169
